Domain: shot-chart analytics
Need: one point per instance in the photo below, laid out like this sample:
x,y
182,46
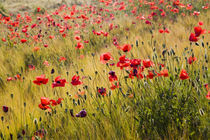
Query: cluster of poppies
x,y
194,37
16,77
137,68
24,33
46,103
58,82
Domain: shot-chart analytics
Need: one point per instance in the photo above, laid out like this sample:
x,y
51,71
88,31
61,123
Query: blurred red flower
x,y
193,37
191,59
126,48
183,75
23,40
79,45
102,91
105,57
40,80
198,31
75,81
147,63
59,82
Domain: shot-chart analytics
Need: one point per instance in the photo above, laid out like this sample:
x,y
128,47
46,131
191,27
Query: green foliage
x,y
3,11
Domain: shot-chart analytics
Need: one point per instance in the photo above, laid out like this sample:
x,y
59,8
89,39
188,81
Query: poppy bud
x,y
2,118
5,109
71,112
11,95
11,136
23,132
82,114
52,71
137,43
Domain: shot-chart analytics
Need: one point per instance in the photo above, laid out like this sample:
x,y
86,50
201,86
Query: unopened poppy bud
x,y
5,109
2,118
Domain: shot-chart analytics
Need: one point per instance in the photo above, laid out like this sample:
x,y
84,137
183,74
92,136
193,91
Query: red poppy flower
x,y
198,31
24,30
51,37
59,100
23,40
112,76
86,41
45,45
161,31
31,67
102,91
105,57
193,37
77,38
162,65
150,75
40,80
62,58
54,102
33,26
3,39
208,95
45,101
177,2
79,45
17,77
122,8
115,43
134,63
61,30
191,59
44,107
38,9
35,49
114,86
39,134
75,80
147,63
148,22
106,34
46,63
167,31
123,62
9,79
163,73
136,73
126,48
98,33
183,75
200,23
59,82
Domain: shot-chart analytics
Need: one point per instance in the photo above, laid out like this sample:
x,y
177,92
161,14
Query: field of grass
x,y
142,67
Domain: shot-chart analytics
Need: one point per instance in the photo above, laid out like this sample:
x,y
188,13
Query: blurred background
x,y
21,6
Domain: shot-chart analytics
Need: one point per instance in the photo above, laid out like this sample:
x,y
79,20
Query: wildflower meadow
x,y
104,69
